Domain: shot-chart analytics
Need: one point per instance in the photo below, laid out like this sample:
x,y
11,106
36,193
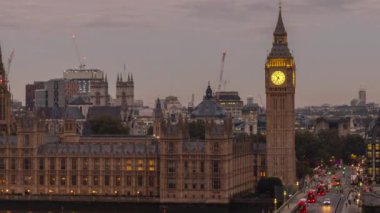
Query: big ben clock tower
x,y
280,84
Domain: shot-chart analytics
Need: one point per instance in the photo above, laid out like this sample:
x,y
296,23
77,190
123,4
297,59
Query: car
x,y
327,201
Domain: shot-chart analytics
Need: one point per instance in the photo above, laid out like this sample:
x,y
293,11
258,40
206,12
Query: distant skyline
x,y
174,47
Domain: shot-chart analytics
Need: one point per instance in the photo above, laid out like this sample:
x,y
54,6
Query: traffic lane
x,y
318,206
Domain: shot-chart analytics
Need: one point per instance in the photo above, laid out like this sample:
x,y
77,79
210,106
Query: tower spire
x,y
280,40
280,28
3,77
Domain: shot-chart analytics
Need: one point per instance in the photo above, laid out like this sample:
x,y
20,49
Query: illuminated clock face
x,y
278,78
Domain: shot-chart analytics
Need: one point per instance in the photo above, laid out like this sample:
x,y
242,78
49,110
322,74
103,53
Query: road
x,y
318,206
337,198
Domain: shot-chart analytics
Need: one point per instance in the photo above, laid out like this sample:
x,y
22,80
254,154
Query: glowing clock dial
x,y
278,78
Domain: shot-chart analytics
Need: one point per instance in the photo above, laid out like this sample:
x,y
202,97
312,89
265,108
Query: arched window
x,y
97,98
123,98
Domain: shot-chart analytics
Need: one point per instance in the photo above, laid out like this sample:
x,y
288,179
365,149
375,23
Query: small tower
x,y
5,101
99,92
158,118
125,91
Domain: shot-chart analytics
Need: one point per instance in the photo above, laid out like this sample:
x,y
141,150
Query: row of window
x,y
376,147
377,154
215,184
62,164
83,180
172,167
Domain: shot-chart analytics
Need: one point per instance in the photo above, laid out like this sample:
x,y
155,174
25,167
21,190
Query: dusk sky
x,y
174,47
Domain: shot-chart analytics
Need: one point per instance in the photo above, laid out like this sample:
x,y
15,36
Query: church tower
x,y
5,101
280,73
125,91
99,92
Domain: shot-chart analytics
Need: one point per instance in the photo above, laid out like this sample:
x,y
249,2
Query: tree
x,y
107,126
267,185
353,144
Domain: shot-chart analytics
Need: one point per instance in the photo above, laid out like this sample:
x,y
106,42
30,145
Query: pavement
x,y
349,206
292,203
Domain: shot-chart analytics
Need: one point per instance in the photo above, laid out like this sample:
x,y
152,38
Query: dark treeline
x,y
312,149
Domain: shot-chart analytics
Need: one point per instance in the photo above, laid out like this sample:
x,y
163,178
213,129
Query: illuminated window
x,y
2,179
151,165
129,165
85,180
369,154
63,180
52,180
140,165
369,147
370,171
377,146
377,154
117,181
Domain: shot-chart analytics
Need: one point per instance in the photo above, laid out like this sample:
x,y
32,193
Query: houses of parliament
x,y
171,166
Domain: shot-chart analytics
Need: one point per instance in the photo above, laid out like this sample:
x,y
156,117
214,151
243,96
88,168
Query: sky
x,y
174,47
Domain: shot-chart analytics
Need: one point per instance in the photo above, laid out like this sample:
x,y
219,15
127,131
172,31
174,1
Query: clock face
x,y
278,78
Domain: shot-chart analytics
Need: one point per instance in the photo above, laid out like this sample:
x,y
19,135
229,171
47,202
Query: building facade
x,y
5,102
30,93
34,163
212,168
125,91
99,93
169,167
59,91
373,151
280,72
84,78
231,102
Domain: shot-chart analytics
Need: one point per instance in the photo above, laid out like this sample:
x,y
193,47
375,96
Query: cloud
x,y
234,14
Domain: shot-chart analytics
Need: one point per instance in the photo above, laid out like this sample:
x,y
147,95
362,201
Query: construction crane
x,y
80,58
221,70
10,58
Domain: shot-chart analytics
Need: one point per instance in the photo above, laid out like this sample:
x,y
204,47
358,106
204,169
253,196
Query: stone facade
x,y
171,166
35,163
280,72
124,91
213,169
99,95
